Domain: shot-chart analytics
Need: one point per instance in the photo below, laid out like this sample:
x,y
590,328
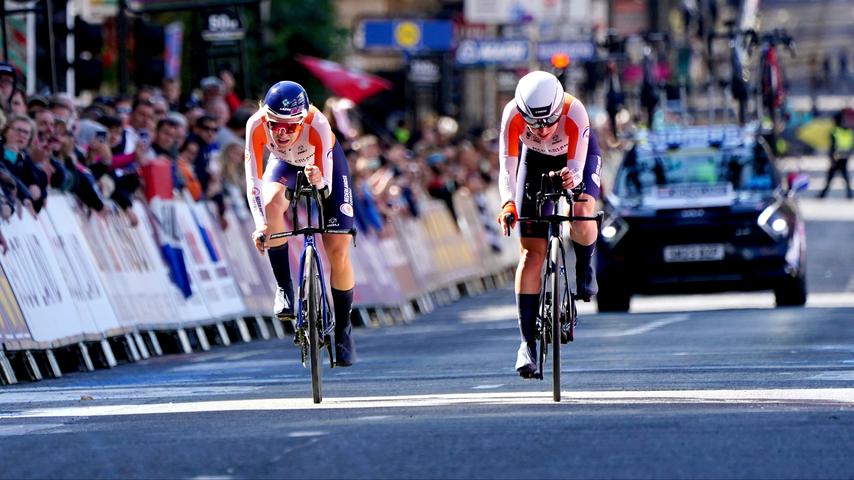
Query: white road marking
x,y
306,434
844,376
487,387
100,393
770,396
643,328
30,429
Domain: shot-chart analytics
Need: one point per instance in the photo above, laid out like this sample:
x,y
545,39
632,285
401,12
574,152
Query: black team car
x,y
698,210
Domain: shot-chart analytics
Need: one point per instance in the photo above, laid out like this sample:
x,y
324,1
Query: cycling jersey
x,y
314,145
569,142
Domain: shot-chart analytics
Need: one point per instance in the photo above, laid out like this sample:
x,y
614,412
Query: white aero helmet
x,y
539,98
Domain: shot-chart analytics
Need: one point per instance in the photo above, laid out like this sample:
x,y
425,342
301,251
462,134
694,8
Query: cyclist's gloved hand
x,y
259,236
508,213
315,178
566,176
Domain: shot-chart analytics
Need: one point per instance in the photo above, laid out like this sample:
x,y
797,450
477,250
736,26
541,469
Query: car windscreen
x,y
736,170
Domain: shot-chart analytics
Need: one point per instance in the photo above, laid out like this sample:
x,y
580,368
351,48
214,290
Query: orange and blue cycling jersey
x,y
524,157
569,142
315,144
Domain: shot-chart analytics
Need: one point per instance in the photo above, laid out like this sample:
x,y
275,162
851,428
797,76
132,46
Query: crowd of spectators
x,y
98,151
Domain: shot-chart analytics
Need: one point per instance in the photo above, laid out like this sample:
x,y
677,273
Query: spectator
x,y
212,87
124,107
8,78
35,104
230,160
171,89
18,102
18,135
203,135
165,146
81,181
184,172
228,85
841,147
63,109
160,108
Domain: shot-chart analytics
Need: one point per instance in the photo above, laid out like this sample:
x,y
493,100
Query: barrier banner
x,y
509,245
417,248
77,264
162,237
12,323
207,267
251,271
36,279
397,261
452,252
375,282
478,225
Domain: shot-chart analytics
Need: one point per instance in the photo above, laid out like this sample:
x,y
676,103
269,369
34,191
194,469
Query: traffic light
x,y
149,48
560,62
88,43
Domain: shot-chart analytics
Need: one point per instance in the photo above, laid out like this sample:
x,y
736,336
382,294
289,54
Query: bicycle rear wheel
x,y
554,315
313,314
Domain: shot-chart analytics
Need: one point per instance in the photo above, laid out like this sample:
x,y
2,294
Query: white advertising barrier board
x,y
416,247
158,226
77,264
509,245
38,284
205,262
251,271
133,275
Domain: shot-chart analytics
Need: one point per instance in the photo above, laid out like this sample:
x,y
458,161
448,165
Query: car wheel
x,y
792,293
612,301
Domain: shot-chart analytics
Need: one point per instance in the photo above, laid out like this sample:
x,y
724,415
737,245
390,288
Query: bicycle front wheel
x,y
554,315
313,314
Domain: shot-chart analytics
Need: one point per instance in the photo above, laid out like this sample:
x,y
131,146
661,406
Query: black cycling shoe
x,y
525,365
344,356
586,283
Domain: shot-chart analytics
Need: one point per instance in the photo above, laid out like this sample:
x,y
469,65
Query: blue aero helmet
x,y
285,106
286,101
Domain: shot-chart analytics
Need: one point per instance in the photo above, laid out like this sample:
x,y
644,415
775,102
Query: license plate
x,y
705,252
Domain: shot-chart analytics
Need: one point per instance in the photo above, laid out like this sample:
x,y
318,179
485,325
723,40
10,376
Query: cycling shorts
x,y
338,206
532,165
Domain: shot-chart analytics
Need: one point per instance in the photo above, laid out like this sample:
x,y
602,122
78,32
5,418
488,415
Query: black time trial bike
x,y
557,315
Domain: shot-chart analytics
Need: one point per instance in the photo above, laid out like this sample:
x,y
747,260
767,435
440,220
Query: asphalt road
x,y
706,386
733,393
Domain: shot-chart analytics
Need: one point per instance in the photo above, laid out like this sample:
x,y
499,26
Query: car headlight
x,y
613,229
772,221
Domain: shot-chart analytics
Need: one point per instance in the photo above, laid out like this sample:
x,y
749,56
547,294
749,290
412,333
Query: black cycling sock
x,y
342,301
583,257
280,261
527,304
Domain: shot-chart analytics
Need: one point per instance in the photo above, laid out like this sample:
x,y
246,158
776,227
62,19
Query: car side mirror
x,y
798,181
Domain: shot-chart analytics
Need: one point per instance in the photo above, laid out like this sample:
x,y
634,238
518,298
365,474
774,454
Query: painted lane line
x,y
639,330
772,396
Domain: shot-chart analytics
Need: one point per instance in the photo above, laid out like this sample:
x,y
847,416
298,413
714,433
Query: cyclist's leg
x,y
533,251
583,233
528,282
338,209
275,204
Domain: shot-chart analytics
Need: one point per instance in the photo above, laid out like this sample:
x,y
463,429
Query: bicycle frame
x,y
557,313
310,196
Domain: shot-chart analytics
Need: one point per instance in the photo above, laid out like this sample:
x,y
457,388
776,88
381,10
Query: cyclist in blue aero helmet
x,y
299,137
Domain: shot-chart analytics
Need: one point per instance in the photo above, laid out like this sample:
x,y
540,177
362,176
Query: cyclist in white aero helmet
x,y
545,130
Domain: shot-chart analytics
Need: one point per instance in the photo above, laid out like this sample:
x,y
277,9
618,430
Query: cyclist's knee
x,y
275,205
532,257
338,250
